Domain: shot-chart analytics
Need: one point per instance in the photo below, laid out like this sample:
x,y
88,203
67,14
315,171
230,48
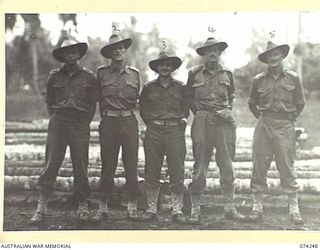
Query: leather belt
x,y
166,122
277,115
117,113
208,109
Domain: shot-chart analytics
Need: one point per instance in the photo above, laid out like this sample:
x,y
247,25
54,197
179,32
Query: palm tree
x,y
66,18
33,31
10,21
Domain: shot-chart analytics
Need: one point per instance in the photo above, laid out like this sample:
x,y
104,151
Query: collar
x,y
171,81
78,68
268,74
125,68
219,69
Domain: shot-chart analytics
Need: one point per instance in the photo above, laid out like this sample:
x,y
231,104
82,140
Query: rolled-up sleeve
x,y
299,98
189,92
253,94
231,89
143,105
50,98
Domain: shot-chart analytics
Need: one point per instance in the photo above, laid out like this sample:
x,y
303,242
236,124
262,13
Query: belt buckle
x,y
172,123
111,113
125,113
159,122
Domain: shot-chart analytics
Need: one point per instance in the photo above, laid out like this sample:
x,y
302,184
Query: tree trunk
x,y
35,68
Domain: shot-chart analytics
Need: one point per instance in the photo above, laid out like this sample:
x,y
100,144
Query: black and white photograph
x,y
162,121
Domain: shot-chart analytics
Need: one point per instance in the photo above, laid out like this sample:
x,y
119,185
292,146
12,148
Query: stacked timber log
x,y
25,149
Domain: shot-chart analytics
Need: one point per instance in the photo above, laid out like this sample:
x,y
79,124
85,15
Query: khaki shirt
x,y
159,102
210,91
279,95
77,91
118,90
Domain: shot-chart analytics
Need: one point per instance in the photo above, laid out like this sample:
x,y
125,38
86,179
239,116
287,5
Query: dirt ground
x,y
62,215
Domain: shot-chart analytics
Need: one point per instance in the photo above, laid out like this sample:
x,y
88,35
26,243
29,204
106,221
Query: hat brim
x,y
284,48
106,50
175,62
59,53
221,45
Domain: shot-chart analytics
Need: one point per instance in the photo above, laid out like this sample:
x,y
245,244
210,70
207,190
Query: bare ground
x,y
62,215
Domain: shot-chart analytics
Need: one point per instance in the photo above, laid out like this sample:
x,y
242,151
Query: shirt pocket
x,y
154,101
200,90
130,90
82,89
286,92
109,88
265,94
60,89
221,89
175,100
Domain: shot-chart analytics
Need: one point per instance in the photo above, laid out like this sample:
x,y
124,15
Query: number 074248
x,y
308,246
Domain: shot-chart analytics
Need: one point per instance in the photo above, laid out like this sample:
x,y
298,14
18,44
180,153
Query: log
x,y
304,169
42,126
95,172
41,138
241,185
36,152
300,165
35,136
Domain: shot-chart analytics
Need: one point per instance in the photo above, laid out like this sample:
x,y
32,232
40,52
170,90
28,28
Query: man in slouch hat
x,y
276,99
211,93
164,110
118,92
71,103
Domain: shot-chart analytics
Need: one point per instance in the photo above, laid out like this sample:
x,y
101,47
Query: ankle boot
x,y
102,212
230,212
195,217
177,203
41,211
132,213
257,209
294,210
83,210
152,195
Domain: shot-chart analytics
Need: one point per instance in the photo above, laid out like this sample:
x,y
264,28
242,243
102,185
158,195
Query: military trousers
x,y
169,141
63,131
273,139
116,132
210,131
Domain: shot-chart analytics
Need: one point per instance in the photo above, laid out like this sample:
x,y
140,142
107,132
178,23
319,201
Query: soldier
x,y
211,92
118,91
163,109
71,103
276,99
